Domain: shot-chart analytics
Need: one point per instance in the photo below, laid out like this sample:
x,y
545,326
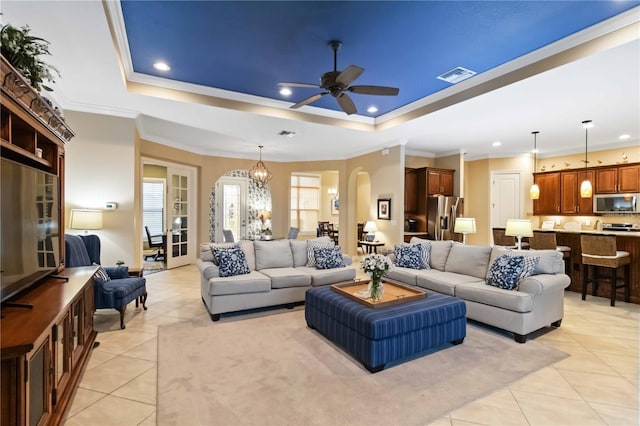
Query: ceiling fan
x,y
337,83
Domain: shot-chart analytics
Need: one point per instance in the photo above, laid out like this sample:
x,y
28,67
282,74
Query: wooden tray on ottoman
x,y
393,293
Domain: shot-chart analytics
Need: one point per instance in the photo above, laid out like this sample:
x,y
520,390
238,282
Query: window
x,y
305,202
153,191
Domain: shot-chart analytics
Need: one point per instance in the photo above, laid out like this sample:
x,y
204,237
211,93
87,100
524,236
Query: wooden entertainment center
x,y
46,330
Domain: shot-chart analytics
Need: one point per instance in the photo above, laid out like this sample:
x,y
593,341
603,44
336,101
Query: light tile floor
x,y
596,385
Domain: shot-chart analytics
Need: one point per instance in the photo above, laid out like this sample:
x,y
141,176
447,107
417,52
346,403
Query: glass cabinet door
x,y
61,354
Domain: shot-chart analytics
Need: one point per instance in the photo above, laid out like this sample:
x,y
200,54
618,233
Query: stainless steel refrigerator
x,y
441,217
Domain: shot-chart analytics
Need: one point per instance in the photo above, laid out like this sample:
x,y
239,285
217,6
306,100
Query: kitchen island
x,y
626,240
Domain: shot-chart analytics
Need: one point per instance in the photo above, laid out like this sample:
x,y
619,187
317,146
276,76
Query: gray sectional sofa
x,y
460,270
278,275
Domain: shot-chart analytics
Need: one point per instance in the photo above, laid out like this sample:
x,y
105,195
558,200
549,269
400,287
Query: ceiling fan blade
x,y
346,104
349,74
375,90
288,84
308,100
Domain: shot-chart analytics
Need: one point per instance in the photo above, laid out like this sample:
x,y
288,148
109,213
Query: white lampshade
x,y
519,228
86,219
370,228
465,225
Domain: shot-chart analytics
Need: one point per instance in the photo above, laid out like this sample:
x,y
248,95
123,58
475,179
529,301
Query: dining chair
x,y
228,236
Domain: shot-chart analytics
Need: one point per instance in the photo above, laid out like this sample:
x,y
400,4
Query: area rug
x,y
152,267
273,370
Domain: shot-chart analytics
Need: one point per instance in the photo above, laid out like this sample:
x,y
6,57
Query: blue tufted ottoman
x,y
376,337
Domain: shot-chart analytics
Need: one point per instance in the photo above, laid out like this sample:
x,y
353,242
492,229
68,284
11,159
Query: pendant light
x,y
585,187
534,192
259,172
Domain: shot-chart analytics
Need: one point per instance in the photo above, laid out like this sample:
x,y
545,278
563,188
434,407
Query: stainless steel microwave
x,y
616,203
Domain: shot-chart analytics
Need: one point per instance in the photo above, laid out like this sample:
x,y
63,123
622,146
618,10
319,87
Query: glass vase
x,y
376,288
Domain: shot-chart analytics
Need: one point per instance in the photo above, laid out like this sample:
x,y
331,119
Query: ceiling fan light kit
x,y
337,83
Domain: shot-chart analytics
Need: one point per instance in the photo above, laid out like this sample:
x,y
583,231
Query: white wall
x,y
100,167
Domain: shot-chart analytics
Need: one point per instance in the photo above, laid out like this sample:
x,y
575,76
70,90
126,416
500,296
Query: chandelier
x,y
259,172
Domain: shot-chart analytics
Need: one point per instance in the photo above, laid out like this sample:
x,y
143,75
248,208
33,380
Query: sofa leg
x,y
520,338
557,323
121,310
215,317
374,369
457,341
290,306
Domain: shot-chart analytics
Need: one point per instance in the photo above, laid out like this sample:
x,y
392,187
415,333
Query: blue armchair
x,y
116,293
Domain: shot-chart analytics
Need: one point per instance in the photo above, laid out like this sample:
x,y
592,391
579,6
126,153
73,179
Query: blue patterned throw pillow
x,y
101,275
328,257
530,263
312,245
231,261
505,272
409,256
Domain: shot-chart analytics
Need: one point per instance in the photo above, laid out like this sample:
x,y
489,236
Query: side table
x,y
371,247
138,272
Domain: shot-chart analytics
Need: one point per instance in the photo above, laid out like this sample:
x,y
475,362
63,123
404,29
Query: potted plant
x,y
23,52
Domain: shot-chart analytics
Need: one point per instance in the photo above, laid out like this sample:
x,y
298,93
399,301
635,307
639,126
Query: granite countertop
x,y
593,231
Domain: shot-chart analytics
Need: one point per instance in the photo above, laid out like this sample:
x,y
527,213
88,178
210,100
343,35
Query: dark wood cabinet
x,y
629,178
45,348
606,180
550,200
410,190
439,181
617,179
570,200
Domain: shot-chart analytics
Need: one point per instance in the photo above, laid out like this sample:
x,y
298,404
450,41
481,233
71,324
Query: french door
x,y
180,214
231,207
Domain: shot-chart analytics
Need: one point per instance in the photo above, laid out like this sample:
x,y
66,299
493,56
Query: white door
x,y
505,198
181,216
231,207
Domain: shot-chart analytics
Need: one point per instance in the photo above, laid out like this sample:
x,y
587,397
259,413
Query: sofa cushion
x,y
299,252
329,276
253,282
287,277
328,257
439,251
206,254
273,254
515,301
443,282
505,271
468,260
403,275
408,256
550,262
231,261
318,242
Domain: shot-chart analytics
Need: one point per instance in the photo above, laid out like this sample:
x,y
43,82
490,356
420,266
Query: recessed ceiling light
x,y
496,143
372,109
535,151
285,91
161,66
623,137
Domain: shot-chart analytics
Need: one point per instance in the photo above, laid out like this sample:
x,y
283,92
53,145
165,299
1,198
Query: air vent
x,y
287,133
456,75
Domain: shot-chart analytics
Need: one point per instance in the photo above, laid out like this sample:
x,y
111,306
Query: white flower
x,y
376,263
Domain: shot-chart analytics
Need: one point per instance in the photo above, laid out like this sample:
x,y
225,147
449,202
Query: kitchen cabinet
x,y
618,179
550,200
410,190
606,180
439,181
629,178
570,200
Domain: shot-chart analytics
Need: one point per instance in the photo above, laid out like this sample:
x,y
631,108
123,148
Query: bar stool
x,y
601,251
546,240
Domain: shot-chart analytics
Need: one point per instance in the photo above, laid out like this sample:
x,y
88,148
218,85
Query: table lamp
x,y
370,228
519,228
464,226
85,219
